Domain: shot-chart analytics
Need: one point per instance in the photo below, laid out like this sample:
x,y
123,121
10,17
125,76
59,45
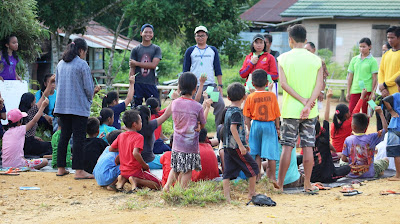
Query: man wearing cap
x,y
204,59
144,59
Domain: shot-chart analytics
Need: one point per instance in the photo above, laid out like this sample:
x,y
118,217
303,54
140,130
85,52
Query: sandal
x,y
133,191
352,193
320,186
387,192
311,191
347,189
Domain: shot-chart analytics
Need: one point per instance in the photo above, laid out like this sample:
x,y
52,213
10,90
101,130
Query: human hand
x,y
371,96
45,102
348,97
385,93
132,63
97,89
321,97
175,94
393,113
254,59
102,135
220,90
48,119
38,138
132,79
303,101
243,150
270,86
278,132
363,94
145,167
203,78
205,95
208,102
305,112
378,110
329,94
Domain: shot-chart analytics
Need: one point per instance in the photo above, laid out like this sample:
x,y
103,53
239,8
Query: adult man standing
x,y
204,59
268,42
144,59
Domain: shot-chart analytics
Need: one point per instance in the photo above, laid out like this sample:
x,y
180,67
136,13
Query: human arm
x,y
87,80
359,104
235,135
203,79
165,116
148,65
131,90
277,126
139,158
388,101
187,60
37,116
247,67
350,76
328,104
311,101
379,111
117,162
112,149
374,85
206,107
344,158
247,122
288,89
219,79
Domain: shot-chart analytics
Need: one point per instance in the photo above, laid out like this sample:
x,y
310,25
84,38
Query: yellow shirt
x,y
389,70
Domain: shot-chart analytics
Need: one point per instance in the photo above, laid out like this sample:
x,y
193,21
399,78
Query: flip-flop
x,y
132,191
65,173
9,174
347,189
84,178
387,192
112,188
320,186
311,191
352,193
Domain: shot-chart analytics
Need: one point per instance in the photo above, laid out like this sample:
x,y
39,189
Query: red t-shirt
x,y
125,143
209,164
157,132
165,160
265,62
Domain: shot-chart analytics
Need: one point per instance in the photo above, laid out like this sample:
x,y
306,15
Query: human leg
x,y
308,163
397,165
139,94
171,180
120,182
252,187
134,182
271,170
66,132
79,131
307,142
258,161
284,164
380,166
227,190
186,177
37,163
341,171
353,101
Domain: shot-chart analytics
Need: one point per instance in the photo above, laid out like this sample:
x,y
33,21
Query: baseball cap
x,y
146,25
200,28
15,115
258,36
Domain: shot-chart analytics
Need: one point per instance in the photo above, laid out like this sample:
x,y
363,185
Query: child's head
x,y
92,127
132,120
203,135
364,45
10,42
14,117
76,48
341,114
259,77
112,136
106,116
187,83
236,92
258,44
360,123
153,104
297,34
27,101
110,98
46,82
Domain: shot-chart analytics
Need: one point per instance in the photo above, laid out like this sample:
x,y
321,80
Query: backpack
x,y
262,200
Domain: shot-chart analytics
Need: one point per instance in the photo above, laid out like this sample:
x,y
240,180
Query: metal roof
x,y
98,36
268,11
345,8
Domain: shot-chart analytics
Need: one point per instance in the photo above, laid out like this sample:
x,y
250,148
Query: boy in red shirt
x,y
130,145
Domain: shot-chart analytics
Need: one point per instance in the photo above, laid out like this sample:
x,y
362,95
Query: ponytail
x,y
105,113
144,113
339,117
109,98
72,49
153,103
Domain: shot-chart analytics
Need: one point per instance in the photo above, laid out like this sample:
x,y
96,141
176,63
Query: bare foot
x,y
81,174
394,178
250,195
276,186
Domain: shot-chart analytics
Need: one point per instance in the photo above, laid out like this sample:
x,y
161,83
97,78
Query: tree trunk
x,y
68,33
54,51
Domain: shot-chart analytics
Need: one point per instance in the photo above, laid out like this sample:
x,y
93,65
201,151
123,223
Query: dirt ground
x,y
65,200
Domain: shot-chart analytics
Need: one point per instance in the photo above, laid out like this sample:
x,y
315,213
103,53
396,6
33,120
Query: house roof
x,y
98,36
268,11
345,8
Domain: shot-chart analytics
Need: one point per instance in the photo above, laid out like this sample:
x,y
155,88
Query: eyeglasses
x,y
200,36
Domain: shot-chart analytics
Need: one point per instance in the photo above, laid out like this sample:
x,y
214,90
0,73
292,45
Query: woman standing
x,y
259,58
74,97
9,58
363,72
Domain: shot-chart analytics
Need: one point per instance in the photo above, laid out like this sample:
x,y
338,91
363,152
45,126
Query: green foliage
x,y
19,17
170,64
119,57
96,105
326,55
197,193
336,70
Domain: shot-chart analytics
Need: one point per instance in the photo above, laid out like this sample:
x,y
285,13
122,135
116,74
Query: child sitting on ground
x,y
159,146
94,146
187,114
107,170
262,107
236,156
130,145
106,119
359,149
111,101
14,139
54,144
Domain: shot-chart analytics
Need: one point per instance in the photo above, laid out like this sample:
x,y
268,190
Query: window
x,y
378,38
327,37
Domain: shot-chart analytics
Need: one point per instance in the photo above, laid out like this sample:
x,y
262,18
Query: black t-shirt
x,y
148,145
323,164
94,147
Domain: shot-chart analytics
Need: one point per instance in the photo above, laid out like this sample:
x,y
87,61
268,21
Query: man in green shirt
x,y
301,79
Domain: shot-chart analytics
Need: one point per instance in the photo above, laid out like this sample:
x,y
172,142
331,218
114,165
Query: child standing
x,y
130,145
262,107
14,139
236,156
9,58
111,101
106,119
186,114
301,79
94,146
359,149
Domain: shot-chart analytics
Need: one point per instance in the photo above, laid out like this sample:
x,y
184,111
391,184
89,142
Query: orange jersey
x,y
262,106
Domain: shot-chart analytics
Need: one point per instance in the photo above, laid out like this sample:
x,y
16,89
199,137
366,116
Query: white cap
x,y
200,28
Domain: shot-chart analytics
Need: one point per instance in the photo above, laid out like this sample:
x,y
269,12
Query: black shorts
x,y
234,162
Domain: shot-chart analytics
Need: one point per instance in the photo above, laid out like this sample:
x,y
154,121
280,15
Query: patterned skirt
x,y
184,162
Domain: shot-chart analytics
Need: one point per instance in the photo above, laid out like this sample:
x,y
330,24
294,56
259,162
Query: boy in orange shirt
x,y
262,107
132,166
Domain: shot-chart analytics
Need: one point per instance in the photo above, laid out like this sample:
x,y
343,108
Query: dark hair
x,y
269,37
144,113
259,78
92,126
112,136
236,91
361,122
203,135
26,102
13,124
130,117
298,33
4,49
312,45
105,113
395,30
340,112
365,40
109,98
388,45
220,133
72,49
187,83
152,103
397,80
43,88
254,50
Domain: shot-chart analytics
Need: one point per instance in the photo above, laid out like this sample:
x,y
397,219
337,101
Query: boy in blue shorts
x,y
301,79
236,156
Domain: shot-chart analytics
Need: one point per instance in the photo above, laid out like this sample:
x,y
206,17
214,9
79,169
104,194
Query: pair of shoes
x,y
63,174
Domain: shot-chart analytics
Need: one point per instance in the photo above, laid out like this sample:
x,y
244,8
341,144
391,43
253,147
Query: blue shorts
x,y
393,144
263,140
